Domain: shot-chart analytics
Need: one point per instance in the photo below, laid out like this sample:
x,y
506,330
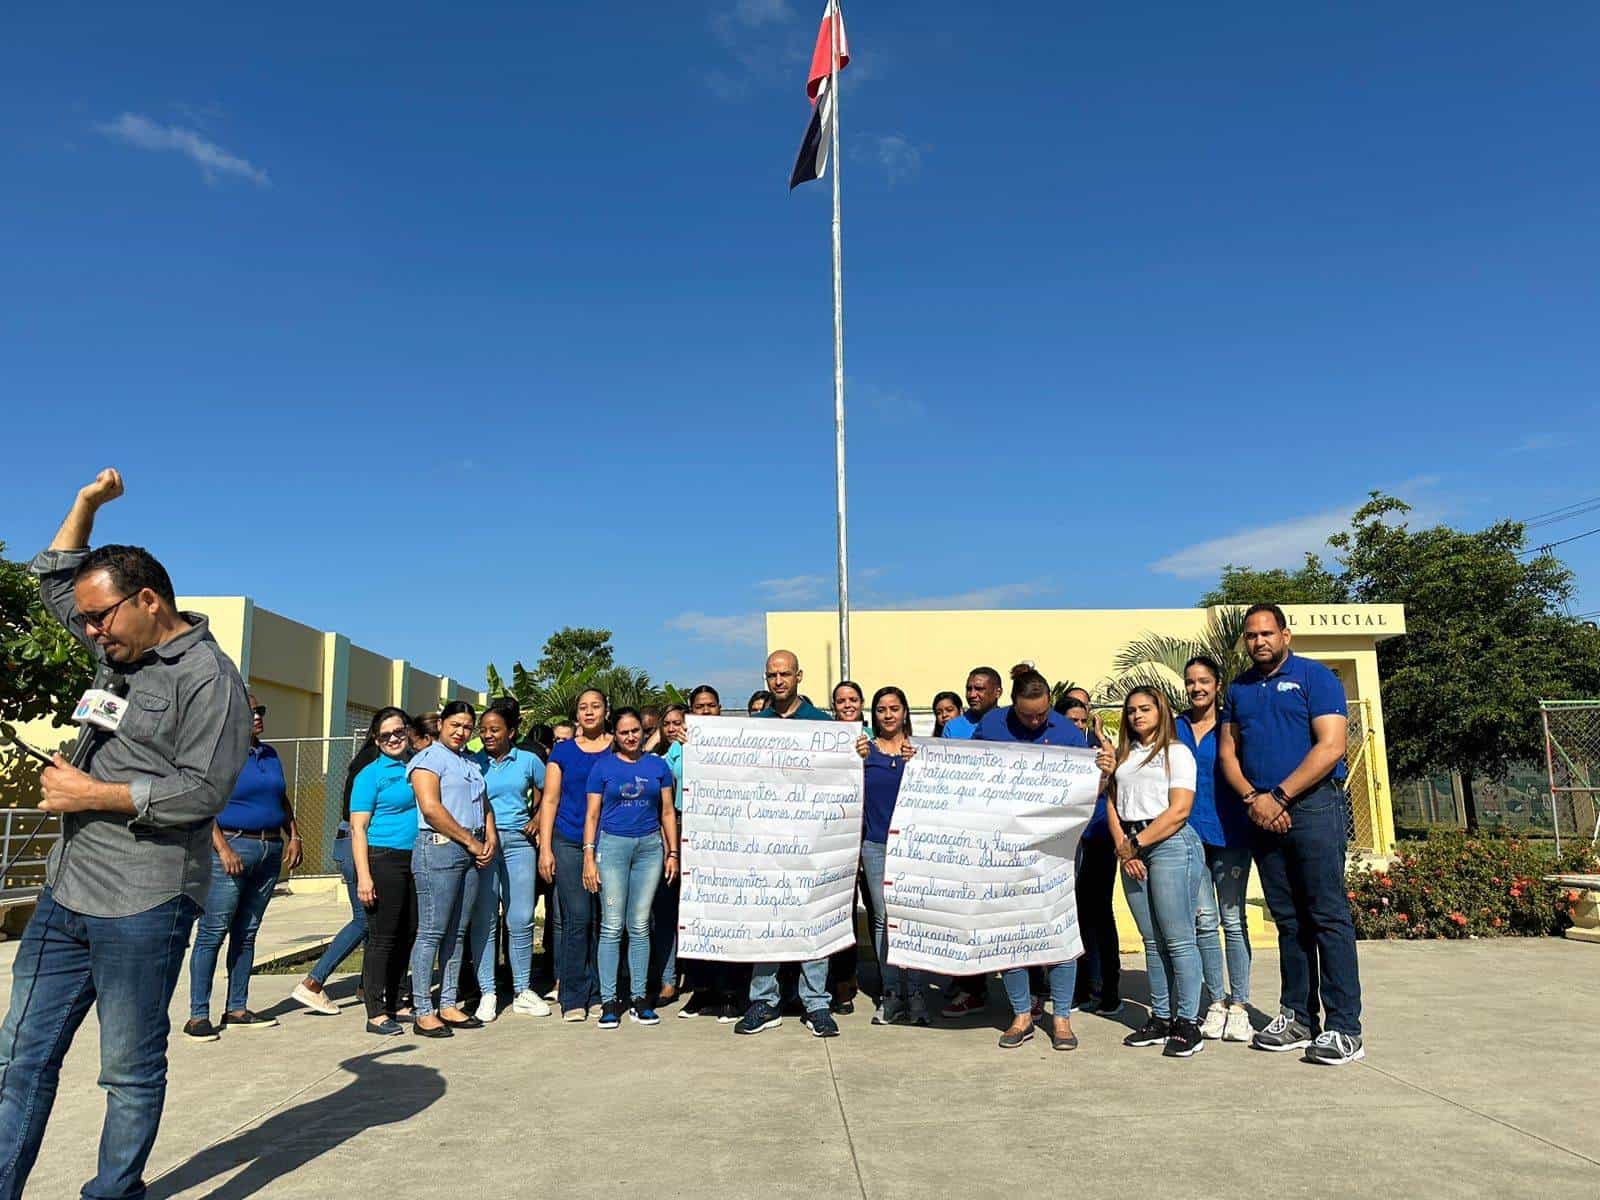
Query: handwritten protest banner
x,y
979,873
771,834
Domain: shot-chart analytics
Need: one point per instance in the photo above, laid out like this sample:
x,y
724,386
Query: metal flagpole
x,y
836,29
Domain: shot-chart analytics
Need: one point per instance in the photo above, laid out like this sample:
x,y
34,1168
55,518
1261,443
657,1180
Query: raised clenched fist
x,y
107,486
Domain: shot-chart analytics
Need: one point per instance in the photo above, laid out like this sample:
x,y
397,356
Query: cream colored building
x,y
318,688
929,652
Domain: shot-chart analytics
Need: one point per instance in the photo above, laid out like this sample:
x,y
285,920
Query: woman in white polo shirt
x,y
1147,811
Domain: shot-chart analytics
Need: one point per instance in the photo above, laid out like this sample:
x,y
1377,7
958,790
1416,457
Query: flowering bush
x,y
1456,886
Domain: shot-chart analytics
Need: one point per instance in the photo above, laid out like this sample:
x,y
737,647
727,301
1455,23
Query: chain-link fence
x,y
315,770
1572,762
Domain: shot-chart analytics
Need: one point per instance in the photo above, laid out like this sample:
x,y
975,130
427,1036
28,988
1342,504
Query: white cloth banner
x,y
771,835
980,870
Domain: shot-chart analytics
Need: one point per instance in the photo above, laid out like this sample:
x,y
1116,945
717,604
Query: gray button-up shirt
x,y
180,747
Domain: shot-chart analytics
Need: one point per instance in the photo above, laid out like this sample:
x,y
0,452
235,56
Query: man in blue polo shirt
x,y
983,697
783,681
1281,745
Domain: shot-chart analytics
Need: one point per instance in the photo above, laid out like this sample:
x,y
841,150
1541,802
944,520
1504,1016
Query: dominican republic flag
x,y
813,158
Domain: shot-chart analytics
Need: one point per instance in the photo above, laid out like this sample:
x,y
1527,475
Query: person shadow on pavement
x,y
379,1093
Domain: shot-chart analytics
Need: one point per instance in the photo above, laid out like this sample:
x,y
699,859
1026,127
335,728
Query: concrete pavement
x,y
1481,1081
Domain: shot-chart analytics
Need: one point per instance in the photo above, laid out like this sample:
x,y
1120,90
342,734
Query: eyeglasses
x,y
102,620
394,735
260,710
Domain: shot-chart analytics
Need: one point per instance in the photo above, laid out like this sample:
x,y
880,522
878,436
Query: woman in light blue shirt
x,y
383,832
664,917
455,834
512,776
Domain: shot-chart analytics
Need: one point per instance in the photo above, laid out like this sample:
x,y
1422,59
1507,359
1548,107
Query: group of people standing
x,y
443,847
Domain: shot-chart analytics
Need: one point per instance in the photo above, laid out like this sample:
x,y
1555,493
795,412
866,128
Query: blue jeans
x,y
447,880
1302,877
664,936
580,928
630,869
127,967
355,929
1225,875
507,881
234,908
897,981
813,984
1063,978
1164,905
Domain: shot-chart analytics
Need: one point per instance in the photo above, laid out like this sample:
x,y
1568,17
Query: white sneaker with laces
x,y
1216,1020
1237,1026
1334,1049
317,1002
528,1004
488,1009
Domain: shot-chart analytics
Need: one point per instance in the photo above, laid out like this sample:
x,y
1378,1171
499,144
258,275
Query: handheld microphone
x,y
99,711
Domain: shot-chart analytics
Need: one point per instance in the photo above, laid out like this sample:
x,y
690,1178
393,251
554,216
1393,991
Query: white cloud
x,y
896,155
760,37
213,161
796,589
1283,544
1541,441
740,629
999,595
1286,543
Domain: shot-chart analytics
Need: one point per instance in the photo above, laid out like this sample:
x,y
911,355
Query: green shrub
x,y
1453,886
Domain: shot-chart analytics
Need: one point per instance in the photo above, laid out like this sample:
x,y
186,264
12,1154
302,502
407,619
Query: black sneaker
x,y
247,1020
758,1017
1335,1049
701,1003
1153,1032
1184,1040
1286,1032
729,1013
200,1030
821,1023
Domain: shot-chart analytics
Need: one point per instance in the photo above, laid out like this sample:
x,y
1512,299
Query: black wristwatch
x,y
1133,840
1281,797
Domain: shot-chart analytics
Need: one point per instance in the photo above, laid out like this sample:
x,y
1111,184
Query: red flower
x,y
1459,918
1399,916
1350,895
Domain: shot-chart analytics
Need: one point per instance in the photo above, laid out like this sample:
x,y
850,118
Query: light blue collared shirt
x,y
461,787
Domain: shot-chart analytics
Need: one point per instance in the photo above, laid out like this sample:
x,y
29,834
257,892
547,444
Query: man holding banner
x,y
981,859
771,839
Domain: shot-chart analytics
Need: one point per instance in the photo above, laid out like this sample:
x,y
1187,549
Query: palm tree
x,y
1156,659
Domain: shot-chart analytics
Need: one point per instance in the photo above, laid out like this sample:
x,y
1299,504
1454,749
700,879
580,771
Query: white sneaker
x,y
488,1008
528,1004
1237,1027
553,993
1216,1019
317,1002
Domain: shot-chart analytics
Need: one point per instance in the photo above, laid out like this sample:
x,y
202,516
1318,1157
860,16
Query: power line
x,y
1578,509
1552,545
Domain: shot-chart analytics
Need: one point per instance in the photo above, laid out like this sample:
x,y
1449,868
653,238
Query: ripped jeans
x,y
1224,875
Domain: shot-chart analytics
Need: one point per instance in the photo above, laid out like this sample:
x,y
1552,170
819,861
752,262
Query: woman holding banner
x,y
630,842
1029,718
885,753
1147,810
561,818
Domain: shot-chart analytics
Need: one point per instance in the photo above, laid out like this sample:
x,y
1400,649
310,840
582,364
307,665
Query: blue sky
x,y
444,326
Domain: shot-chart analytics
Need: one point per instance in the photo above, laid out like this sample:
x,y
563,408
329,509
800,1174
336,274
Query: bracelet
x,y
589,846
294,837
672,854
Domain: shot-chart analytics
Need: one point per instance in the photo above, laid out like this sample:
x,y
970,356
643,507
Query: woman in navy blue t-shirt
x,y
886,753
561,816
630,842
